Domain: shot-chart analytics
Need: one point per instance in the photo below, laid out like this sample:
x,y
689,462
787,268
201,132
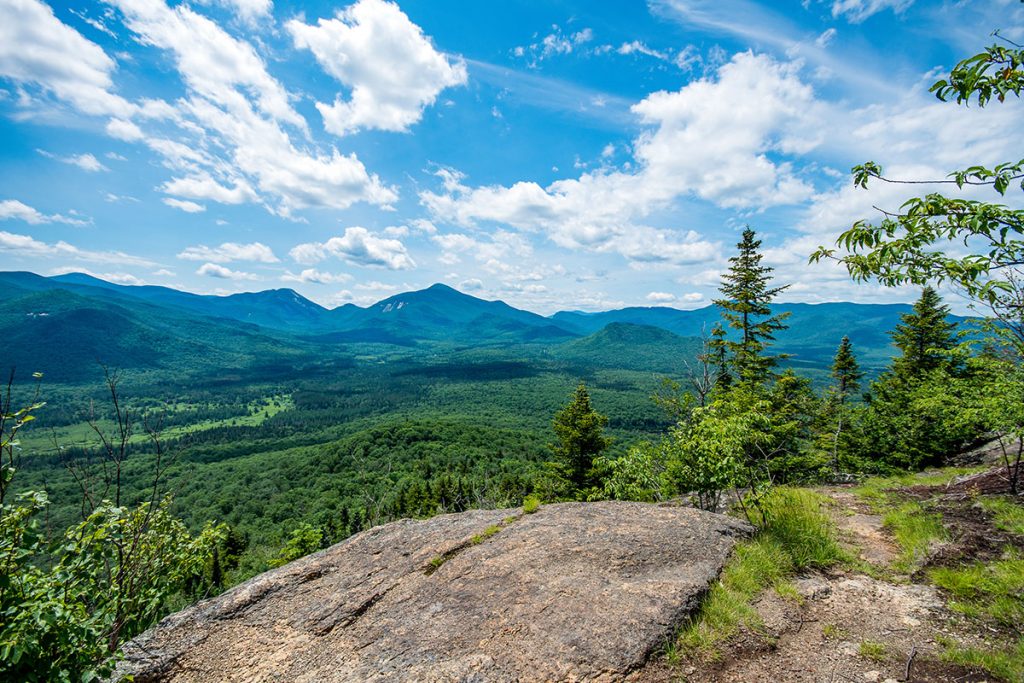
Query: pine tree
x,y
845,371
746,306
922,336
580,432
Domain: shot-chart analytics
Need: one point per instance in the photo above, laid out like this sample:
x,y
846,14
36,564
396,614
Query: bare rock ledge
x,y
574,592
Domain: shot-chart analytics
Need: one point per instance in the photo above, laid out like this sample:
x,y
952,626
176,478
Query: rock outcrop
x,y
574,592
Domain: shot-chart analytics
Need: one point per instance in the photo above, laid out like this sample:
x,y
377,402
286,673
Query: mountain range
x,y
59,324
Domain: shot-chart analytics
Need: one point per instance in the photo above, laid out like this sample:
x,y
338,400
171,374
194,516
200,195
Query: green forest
x,y
152,458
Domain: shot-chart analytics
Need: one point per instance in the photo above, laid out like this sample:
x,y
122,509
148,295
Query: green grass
x,y
833,631
1007,514
916,531
485,534
798,535
531,504
876,490
992,591
1007,664
876,652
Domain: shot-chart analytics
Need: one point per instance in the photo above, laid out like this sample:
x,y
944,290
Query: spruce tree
x,y
847,375
746,307
580,432
922,336
718,356
845,371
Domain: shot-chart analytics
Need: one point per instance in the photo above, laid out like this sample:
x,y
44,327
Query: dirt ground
x,y
819,636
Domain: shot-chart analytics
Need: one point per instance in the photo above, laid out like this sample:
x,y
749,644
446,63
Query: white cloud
x,y
471,285
825,38
86,162
660,297
204,187
390,67
638,47
29,246
357,246
556,43
857,11
230,251
124,130
376,286
37,48
233,125
317,277
738,130
249,11
17,210
728,126
184,205
223,273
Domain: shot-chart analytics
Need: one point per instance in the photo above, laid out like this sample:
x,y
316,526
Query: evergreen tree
x,y
847,375
580,432
718,356
923,336
746,306
845,371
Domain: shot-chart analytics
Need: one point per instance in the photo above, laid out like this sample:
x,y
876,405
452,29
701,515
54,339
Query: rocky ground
x,y
869,625
585,592
575,591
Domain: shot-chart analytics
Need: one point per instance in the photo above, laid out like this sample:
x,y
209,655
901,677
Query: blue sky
x,y
583,155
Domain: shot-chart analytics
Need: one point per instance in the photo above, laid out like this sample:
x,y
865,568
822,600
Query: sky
x,y
567,154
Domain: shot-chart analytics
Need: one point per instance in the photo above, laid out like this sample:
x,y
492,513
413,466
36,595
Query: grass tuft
x,y
1007,514
915,530
1006,664
798,535
485,534
876,652
531,504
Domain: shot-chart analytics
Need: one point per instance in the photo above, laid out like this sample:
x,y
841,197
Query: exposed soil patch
x,y
849,627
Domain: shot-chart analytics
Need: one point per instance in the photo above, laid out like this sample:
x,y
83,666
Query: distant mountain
x,y
812,335
283,309
440,313
85,315
66,336
632,347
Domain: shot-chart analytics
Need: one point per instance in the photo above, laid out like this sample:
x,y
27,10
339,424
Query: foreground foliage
x,y
797,535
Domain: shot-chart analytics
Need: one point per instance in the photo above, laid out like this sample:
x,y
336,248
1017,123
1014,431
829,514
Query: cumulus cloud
x,y
204,187
17,210
123,129
223,273
357,246
184,205
232,142
317,277
391,68
26,245
660,297
38,49
740,130
230,251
